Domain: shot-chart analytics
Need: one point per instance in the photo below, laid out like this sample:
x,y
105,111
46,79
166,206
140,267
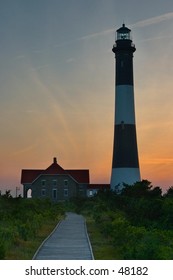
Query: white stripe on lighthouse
x,y
124,175
124,104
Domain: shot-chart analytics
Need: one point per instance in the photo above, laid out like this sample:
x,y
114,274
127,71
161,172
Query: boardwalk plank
x,y
69,241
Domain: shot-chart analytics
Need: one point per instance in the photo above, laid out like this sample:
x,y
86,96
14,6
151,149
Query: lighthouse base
x,y
121,176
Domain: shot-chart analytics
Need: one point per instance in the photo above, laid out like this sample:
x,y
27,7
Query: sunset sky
x,y
57,86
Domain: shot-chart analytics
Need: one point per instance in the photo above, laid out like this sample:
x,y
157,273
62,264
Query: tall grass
x,y
24,223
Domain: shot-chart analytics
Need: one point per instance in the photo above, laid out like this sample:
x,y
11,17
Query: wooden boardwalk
x,y
69,241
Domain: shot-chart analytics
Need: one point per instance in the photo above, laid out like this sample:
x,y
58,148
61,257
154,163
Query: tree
x,y
169,192
139,189
7,194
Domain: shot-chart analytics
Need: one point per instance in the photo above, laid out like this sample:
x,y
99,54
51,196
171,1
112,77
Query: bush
x,y
22,219
138,223
2,251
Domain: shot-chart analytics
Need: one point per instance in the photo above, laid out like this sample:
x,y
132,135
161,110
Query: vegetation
x,y
24,224
136,224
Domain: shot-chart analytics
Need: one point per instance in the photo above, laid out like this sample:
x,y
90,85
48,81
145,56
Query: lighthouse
x,y
125,162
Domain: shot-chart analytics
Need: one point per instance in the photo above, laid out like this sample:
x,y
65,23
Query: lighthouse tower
x,y
125,163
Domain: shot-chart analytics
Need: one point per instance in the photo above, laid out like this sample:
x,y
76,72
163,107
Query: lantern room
x,y
123,33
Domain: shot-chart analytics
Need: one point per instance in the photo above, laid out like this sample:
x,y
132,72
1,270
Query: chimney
x,y
54,160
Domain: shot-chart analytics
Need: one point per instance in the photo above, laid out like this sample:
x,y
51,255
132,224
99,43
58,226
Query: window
x,y
54,193
66,192
54,183
65,182
90,193
43,183
43,192
123,36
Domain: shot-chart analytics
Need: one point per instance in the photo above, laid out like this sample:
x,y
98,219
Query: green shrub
x,y
2,251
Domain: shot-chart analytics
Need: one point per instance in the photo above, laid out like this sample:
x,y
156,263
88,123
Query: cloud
x,y
155,38
101,33
25,150
37,68
142,23
139,24
153,20
71,59
86,37
157,161
18,57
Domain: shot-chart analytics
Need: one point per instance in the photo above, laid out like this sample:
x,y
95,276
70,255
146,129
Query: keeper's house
x,y
57,183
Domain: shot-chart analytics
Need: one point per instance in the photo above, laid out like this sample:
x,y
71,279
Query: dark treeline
x,y
138,223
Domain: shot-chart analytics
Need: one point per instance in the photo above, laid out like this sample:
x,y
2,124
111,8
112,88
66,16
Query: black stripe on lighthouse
x,y
124,68
125,146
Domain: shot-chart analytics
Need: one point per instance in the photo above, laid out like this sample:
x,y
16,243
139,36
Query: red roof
x,y
81,175
29,175
54,168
